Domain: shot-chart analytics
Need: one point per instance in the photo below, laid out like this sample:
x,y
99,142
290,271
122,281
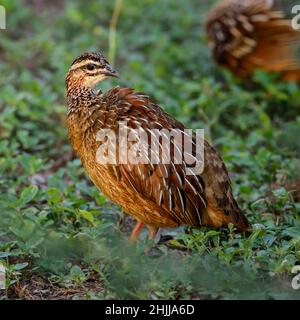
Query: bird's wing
x,y
249,34
173,186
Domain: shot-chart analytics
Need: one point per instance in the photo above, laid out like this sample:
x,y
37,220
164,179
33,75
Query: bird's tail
x,y
218,217
239,219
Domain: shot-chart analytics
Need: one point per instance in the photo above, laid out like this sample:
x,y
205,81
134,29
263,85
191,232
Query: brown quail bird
x,y
157,195
245,35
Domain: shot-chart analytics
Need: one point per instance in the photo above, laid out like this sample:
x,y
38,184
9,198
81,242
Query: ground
x,y
60,238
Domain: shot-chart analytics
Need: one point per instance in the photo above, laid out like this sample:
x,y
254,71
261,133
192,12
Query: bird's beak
x,y
110,73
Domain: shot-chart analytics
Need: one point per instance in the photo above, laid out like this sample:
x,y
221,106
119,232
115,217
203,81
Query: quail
x,y
159,194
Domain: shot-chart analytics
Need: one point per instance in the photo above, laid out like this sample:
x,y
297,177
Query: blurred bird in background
x,y
245,35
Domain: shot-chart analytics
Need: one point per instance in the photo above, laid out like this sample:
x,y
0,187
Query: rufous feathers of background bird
x,y
245,35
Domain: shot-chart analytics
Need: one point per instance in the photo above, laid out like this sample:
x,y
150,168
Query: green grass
x,y
56,225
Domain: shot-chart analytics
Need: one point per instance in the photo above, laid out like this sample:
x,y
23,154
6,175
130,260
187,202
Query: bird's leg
x,y
152,232
136,230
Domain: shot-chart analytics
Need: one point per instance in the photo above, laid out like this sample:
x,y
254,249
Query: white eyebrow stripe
x,y
85,62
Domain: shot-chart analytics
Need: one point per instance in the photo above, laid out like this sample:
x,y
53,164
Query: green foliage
x,y
55,224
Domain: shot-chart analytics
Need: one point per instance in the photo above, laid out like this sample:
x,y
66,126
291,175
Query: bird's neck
x,y
80,97
81,102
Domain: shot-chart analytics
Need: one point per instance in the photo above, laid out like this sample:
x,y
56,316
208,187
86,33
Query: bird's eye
x,y
90,67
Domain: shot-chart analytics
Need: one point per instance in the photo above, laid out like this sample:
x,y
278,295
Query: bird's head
x,y
88,70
